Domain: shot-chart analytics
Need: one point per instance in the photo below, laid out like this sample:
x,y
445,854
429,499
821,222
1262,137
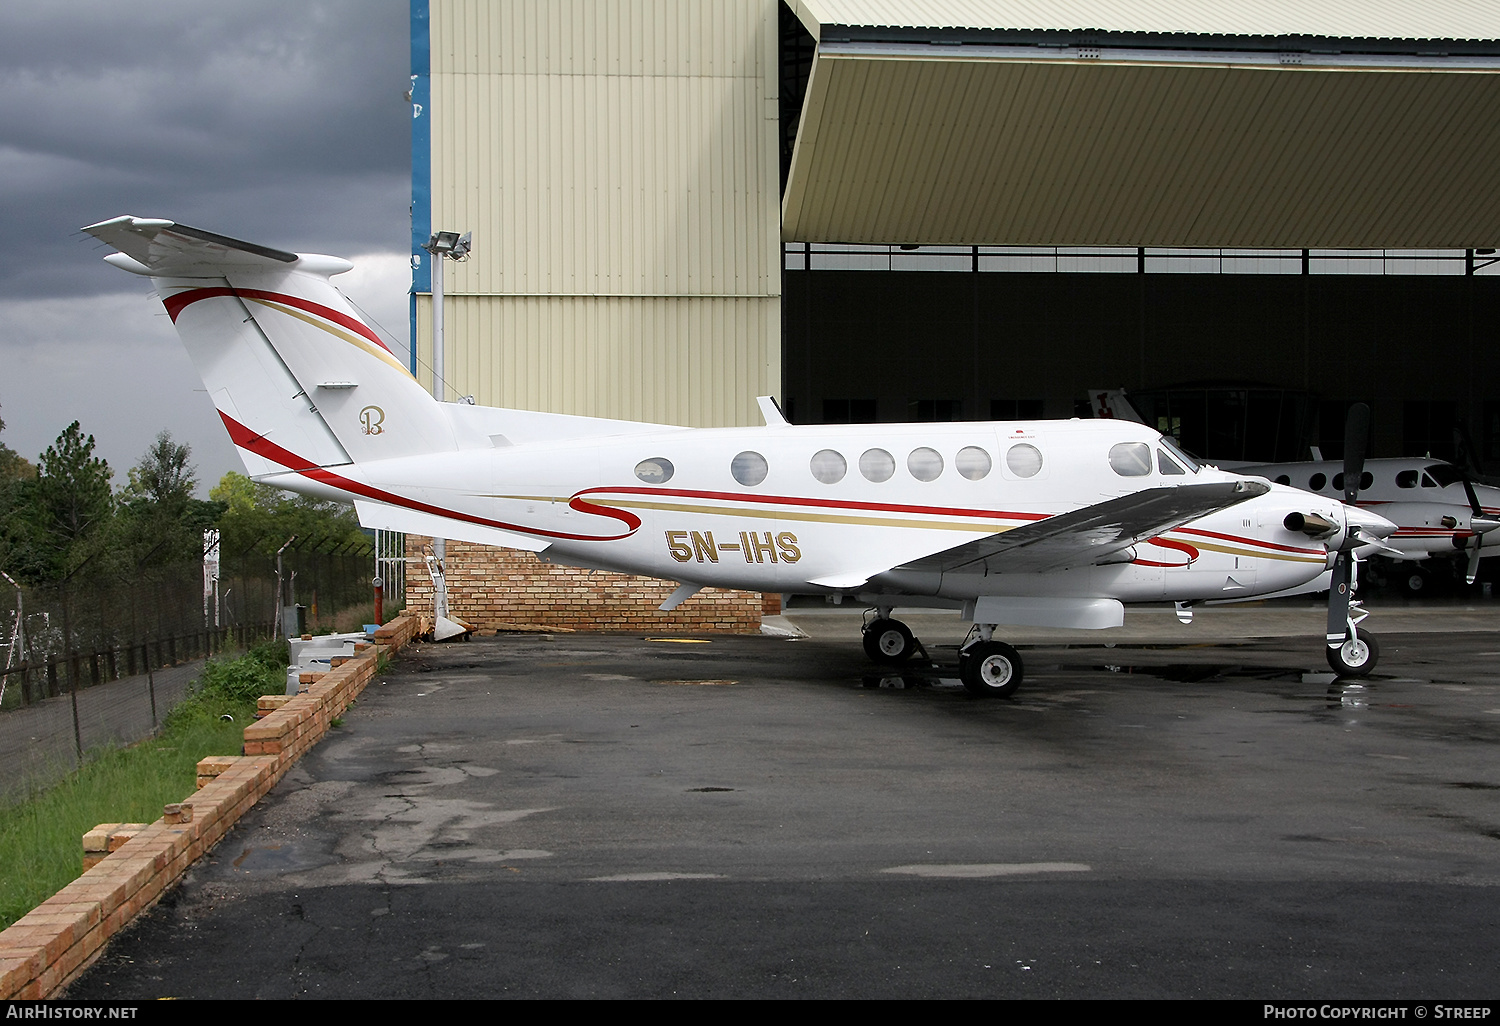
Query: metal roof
x,y
1127,141
1373,19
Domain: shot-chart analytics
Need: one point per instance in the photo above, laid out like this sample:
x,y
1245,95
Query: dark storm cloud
x,y
281,122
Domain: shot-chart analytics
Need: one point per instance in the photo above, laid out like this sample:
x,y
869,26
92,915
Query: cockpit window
x,y
1130,459
1178,454
1166,464
1445,474
1406,479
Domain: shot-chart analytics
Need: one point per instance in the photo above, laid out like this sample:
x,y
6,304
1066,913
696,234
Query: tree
x,y
163,477
71,505
259,518
13,466
15,473
161,521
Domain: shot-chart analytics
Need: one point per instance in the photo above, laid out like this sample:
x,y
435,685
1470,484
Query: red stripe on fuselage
x,y
789,500
1248,541
258,444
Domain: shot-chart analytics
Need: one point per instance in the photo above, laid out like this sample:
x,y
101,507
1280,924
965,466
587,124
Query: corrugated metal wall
x,y
617,164
698,360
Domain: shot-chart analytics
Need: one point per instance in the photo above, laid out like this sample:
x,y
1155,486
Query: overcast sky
x,y
282,122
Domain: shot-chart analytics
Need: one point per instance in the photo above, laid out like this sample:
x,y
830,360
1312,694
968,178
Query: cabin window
x,y
1130,459
972,462
749,468
1167,465
828,466
656,470
1283,479
925,464
1024,460
877,465
1406,479
1316,482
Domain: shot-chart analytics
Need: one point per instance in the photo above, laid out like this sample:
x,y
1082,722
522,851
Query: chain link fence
x,y
83,666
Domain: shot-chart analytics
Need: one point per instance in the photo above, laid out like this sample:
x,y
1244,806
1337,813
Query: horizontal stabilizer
x,y
168,249
382,517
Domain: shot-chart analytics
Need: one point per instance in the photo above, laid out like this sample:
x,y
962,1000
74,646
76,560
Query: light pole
x,y
443,246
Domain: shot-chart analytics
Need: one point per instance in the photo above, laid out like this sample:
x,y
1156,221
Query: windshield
x,y
1182,457
1445,474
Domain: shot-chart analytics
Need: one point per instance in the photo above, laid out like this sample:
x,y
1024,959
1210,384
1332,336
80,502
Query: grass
x,y
41,839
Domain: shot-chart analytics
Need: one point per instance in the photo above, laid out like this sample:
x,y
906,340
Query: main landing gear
x,y
889,641
988,668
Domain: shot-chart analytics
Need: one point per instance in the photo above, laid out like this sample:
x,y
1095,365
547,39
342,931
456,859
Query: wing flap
x,y
1090,535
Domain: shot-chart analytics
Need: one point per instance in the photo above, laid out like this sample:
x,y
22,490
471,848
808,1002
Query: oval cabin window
x,y
973,463
877,465
828,466
1024,460
925,464
656,470
749,468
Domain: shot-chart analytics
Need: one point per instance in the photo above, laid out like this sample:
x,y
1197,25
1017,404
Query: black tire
x,y
991,669
1355,657
889,641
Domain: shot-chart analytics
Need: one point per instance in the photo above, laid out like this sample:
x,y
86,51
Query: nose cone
x,y
1369,525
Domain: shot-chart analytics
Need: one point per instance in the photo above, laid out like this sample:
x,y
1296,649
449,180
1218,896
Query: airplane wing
x,y
1084,537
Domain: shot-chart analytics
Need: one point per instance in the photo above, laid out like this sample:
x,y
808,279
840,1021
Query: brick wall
x,y
490,587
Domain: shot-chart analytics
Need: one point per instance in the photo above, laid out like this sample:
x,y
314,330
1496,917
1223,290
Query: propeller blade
x,y
1473,568
1356,442
1474,506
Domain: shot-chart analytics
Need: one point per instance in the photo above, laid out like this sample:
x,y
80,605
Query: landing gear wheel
x,y
889,641
1355,657
991,669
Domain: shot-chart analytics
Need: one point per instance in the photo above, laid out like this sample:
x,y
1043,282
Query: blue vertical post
x,y
421,162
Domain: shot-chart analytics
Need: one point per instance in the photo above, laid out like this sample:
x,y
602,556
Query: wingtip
x,y
130,221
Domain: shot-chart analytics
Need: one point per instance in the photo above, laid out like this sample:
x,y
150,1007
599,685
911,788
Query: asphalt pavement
x,y
585,815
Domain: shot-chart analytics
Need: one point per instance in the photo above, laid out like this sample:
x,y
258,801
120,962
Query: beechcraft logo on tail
x,y
370,420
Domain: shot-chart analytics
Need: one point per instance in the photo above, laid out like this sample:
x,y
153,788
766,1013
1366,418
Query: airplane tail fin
x,y
299,379
1110,403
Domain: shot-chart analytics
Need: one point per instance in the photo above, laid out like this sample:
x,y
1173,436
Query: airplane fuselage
x,y
833,508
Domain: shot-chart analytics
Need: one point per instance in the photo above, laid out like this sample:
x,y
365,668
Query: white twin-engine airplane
x,y
1046,523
